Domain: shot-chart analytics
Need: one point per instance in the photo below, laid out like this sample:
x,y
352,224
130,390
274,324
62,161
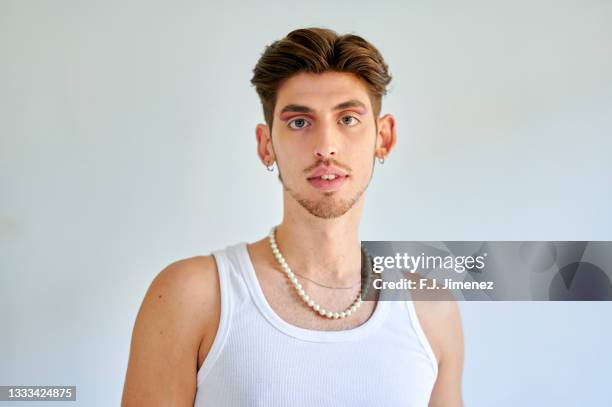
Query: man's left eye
x,y
350,120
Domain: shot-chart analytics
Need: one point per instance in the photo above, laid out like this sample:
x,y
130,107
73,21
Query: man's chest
x,y
289,306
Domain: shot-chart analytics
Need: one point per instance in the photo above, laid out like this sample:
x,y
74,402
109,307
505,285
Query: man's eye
x,y
350,120
298,123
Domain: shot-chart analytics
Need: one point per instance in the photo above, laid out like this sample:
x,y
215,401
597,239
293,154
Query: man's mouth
x,y
328,182
328,177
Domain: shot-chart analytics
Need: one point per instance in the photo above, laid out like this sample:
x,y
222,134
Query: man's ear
x,y
386,136
265,151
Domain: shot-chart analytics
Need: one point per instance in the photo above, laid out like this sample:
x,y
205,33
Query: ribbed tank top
x,y
259,359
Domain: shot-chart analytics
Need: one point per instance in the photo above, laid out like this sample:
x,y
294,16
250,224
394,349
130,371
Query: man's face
x,y
324,122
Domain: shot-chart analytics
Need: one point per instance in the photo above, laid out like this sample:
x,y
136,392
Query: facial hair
x,y
328,207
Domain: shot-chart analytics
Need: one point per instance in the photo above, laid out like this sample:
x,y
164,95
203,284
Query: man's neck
x,y
326,250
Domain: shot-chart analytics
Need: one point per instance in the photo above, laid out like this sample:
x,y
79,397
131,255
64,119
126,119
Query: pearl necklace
x,y
298,287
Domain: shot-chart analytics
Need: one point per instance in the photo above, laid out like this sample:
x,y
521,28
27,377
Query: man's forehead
x,y
324,91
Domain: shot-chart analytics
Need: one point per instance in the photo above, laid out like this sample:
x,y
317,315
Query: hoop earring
x,y
381,160
270,167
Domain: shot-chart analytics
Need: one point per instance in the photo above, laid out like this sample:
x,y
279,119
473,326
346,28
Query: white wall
x,y
127,142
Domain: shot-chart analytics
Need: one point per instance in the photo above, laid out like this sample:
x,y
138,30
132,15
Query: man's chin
x,y
327,207
325,204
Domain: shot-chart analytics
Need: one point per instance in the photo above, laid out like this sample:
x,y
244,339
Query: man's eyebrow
x,y
296,108
306,109
350,103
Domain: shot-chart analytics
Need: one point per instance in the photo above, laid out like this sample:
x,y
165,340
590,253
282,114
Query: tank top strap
x,y
226,273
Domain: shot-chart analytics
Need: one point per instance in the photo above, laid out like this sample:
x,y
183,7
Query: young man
x,y
280,322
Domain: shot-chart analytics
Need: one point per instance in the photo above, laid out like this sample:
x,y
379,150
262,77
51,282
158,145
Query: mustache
x,y
327,162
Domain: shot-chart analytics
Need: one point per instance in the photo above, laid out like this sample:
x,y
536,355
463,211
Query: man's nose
x,y
326,144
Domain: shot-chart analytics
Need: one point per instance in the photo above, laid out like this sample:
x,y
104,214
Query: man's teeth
x,y
328,177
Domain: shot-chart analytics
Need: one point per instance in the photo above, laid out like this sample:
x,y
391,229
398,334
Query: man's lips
x,y
327,175
328,185
331,170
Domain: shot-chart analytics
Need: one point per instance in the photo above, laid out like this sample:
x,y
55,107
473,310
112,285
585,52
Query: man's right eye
x,y
298,123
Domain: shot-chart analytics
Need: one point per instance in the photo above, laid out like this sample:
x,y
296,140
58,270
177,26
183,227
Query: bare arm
x,y
177,312
446,332
441,323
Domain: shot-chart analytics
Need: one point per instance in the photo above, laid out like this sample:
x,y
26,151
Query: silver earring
x,y
270,167
381,160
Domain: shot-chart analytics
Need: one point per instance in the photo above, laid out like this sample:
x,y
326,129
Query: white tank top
x,y
259,359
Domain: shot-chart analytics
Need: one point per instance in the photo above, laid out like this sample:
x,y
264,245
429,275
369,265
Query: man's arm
x,y
441,323
177,312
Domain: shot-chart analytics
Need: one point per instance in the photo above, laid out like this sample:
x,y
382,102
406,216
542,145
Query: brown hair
x,y
318,50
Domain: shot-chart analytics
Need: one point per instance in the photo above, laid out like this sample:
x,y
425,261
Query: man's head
x,y
319,50
321,96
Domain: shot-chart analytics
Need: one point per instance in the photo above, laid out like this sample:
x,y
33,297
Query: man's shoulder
x,y
187,270
186,290
190,279
441,322
176,315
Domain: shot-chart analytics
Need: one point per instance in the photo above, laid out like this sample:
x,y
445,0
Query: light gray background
x,y
127,142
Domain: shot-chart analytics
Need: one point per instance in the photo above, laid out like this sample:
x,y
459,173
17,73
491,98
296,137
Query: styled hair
x,y
319,50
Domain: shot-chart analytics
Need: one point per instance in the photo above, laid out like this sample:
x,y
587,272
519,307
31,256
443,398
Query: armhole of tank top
x,y
221,262
418,328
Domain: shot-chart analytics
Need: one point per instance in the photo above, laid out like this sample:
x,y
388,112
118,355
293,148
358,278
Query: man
x,y
280,321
